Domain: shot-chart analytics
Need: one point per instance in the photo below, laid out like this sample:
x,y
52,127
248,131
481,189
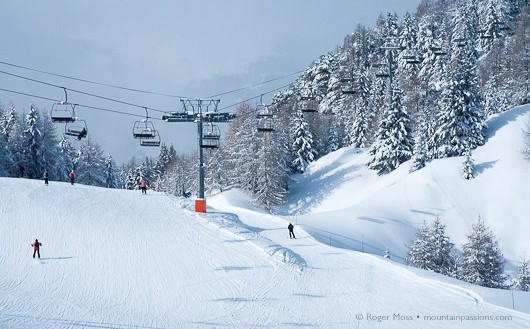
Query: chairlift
x,y
346,86
63,112
151,141
78,131
265,120
438,51
308,104
144,129
211,134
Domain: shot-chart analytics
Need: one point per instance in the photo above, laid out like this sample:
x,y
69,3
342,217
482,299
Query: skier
x,y
143,187
36,246
72,177
82,134
291,233
46,177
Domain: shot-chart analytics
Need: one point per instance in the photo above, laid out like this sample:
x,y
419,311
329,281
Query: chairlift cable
x,y
79,105
139,90
93,82
78,91
257,84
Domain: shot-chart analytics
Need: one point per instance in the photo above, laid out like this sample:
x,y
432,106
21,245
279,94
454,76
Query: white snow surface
x,y
119,259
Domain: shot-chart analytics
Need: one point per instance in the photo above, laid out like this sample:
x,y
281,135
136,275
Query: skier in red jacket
x,y
72,177
143,187
36,246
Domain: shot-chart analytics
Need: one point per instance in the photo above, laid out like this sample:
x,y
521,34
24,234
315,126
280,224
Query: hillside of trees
x,y
418,87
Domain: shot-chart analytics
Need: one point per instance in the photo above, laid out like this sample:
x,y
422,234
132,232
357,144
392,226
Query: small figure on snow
x,y
36,246
72,177
46,176
143,187
291,233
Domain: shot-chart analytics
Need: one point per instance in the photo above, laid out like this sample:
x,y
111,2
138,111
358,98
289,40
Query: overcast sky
x,y
195,48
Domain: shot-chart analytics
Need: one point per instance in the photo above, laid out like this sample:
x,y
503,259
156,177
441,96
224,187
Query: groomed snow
x,y
340,197
119,259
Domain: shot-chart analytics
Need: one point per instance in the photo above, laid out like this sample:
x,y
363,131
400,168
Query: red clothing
x,y
142,184
72,175
36,245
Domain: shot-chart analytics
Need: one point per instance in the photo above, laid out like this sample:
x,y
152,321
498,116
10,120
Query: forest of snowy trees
x,y
452,63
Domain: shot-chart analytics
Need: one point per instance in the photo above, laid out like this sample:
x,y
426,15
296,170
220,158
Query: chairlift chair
x,y
308,104
211,134
63,112
151,141
346,86
78,131
144,129
438,51
265,120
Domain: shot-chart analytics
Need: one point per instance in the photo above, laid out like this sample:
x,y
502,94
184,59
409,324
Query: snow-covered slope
x,y
119,259
339,197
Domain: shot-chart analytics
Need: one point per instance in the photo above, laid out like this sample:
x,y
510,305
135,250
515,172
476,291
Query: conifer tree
x,y
420,155
468,166
522,282
271,172
302,147
461,117
111,177
90,164
394,142
65,160
431,249
483,262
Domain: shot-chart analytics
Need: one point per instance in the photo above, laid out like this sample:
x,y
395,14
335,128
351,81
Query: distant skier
x,y
36,246
291,233
72,177
46,177
143,187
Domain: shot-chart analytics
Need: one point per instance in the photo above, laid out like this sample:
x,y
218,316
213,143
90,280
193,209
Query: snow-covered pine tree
x,y
3,146
90,168
394,142
303,152
111,177
33,144
483,262
271,172
522,282
461,117
419,253
431,249
65,160
360,126
468,165
50,146
214,179
333,137
240,148
420,156
443,260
